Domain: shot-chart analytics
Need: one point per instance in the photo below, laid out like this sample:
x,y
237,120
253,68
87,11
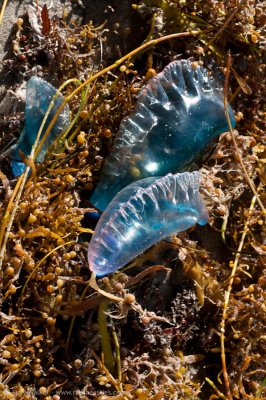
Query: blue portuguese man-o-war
x,y
39,94
141,215
177,115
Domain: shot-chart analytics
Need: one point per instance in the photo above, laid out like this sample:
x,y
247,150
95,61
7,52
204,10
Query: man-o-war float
x,y
177,116
141,215
39,94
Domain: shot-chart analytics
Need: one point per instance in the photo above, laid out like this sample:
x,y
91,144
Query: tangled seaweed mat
x,y
163,339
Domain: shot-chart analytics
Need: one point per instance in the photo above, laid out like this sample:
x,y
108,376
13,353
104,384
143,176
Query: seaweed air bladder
x,y
177,115
39,94
141,215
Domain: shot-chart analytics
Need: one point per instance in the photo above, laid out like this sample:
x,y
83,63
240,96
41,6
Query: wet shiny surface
x,y
178,114
141,215
39,94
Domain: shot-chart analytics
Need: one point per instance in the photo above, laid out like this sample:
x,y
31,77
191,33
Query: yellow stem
x,y
109,361
3,11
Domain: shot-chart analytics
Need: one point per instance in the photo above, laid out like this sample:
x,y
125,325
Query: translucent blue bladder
x,y
39,94
178,114
141,215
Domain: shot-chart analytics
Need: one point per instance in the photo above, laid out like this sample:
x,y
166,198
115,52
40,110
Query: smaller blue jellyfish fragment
x,y
177,116
39,94
141,215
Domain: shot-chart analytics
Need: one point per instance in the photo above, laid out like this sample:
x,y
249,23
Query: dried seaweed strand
x,y
227,298
238,155
118,358
227,22
9,216
220,394
93,284
8,209
3,11
141,275
108,357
